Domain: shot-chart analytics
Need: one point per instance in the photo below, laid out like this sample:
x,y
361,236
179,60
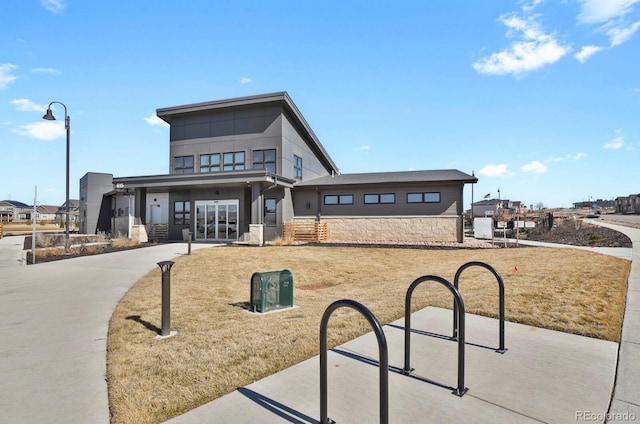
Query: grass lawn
x,y
28,228
220,346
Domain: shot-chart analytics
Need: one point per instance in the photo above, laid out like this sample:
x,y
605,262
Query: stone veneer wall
x,y
394,228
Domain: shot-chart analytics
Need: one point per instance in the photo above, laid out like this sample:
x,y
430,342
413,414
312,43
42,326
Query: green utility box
x,y
271,290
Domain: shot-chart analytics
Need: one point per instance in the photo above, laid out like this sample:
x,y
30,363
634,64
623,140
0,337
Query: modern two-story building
x,y
240,168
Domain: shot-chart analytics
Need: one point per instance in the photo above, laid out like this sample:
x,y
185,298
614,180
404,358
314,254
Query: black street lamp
x,y
67,125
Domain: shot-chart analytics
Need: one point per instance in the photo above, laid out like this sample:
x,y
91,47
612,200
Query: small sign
x,y
502,224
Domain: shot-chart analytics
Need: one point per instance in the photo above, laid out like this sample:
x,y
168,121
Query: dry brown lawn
x,y
221,346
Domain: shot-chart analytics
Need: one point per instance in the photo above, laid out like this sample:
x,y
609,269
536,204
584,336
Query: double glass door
x,y
217,220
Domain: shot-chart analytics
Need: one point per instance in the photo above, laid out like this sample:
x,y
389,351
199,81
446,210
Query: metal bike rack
x,y
460,390
383,353
456,282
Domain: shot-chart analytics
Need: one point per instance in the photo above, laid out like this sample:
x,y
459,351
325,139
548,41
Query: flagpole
x,y
472,184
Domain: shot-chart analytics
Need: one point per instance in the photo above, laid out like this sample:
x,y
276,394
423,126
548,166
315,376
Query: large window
x,y
370,199
265,159
183,165
182,213
338,199
297,167
210,163
270,212
429,197
233,161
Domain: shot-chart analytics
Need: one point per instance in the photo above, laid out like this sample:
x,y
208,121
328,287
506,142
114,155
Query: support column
x,y
256,226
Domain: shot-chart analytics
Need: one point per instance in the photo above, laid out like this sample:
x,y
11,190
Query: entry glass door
x,y
217,220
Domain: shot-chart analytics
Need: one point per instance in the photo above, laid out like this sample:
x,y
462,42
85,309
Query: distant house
x,y
74,208
12,211
494,207
239,169
628,204
46,213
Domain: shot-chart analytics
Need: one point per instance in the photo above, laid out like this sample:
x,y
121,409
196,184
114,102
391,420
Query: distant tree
x,y
539,206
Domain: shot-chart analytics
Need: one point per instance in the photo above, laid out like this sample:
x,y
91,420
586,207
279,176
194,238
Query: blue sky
x,y
539,99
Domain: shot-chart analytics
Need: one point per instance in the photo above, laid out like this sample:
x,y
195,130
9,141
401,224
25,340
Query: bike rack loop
x,y
460,390
456,282
383,353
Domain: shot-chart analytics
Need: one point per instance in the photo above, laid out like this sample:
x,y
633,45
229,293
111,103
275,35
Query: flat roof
x,y
401,177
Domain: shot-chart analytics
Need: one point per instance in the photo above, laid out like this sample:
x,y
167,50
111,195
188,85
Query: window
x,y
183,165
338,199
297,167
182,213
210,163
265,159
433,197
233,161
379,198
270,212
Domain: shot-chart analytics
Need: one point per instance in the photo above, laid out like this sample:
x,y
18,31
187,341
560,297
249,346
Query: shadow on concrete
x,y
281,410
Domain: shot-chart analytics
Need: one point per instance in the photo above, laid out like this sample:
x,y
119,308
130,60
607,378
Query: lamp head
x,y
49,115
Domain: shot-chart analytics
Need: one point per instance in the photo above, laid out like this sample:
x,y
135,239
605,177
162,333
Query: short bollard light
x,y
165,266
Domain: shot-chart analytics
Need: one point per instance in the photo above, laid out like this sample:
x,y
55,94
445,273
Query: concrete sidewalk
x,y
54,319
626,395
544,376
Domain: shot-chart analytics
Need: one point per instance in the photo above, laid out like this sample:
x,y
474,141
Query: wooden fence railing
x,y
305,231
1,229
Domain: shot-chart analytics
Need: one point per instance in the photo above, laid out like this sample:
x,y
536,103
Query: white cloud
x,y
363,148
6,75
493,170
46,70
615,143
245,80
532,51
554,159
154,120
577,156
599,11
528,7
586,52
619,35
53,6
46,130
535,167
26,105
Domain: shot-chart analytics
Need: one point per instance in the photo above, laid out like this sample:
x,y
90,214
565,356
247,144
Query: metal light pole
x,y
67,125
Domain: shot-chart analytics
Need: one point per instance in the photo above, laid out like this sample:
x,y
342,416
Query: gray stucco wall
x,y
245,130
92,187
308,201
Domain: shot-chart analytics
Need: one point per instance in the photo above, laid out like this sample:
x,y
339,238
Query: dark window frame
x,y
210,166
425,197
261,161
378,199
236,164
341,199
297,167
182,214
181,165
271,210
